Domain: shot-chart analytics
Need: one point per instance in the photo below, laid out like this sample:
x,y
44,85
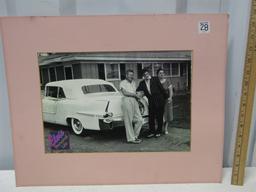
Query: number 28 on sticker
x,y
204,27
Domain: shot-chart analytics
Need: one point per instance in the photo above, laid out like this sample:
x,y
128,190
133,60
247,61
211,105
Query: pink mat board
x,y
24,37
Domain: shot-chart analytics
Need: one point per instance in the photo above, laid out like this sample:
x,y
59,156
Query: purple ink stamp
x,y
59,140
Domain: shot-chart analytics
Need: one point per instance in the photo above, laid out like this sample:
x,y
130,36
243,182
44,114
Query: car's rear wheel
x,y
77,127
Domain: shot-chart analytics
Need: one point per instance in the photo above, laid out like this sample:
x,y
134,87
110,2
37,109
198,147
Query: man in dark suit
x,y
154,91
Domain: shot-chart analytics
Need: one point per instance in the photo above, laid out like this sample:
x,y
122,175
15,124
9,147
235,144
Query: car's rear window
x,y
97,88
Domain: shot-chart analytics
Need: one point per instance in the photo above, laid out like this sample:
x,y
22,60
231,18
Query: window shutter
x,y
122,71
101,71
139,69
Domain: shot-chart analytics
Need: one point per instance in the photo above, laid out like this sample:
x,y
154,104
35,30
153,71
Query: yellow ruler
x,y
246,103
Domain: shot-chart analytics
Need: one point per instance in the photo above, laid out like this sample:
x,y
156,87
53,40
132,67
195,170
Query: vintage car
x,y
85,104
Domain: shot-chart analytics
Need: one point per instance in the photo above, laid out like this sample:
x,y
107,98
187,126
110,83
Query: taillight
x,y
108,114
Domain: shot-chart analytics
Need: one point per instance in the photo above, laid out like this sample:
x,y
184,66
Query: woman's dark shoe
x,y
150,135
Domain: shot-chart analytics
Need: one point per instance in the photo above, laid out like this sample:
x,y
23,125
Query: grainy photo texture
x,y
116,101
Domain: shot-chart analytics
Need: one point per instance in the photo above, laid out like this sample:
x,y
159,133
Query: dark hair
x,y
144,71
158,71
129,71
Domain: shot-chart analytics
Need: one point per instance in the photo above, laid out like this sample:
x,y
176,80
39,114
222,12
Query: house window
x,y
167,69
112,71
60,73
122,71
157,66
101,71
56,74
175,69
153,68
183,69
170,69
52,73
41,76
68,72
139,70
148,66
45,77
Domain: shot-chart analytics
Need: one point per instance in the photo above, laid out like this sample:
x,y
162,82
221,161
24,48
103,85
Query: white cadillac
x,y
85,104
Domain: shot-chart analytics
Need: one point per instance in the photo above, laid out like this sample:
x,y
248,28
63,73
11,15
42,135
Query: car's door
x,y
60,115
50,104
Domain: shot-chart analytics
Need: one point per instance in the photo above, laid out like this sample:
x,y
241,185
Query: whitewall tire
x,y
77,127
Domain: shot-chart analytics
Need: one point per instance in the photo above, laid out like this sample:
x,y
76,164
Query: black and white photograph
x,y
137,101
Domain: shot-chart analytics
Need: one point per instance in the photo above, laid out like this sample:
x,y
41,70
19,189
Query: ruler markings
x,y
246,102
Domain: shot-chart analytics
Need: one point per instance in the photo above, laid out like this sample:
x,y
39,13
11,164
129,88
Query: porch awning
x,y
46,59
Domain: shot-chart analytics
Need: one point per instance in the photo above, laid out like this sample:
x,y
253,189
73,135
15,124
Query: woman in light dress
x,y
168,111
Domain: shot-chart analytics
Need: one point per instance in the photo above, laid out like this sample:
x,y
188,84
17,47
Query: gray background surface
x,y
239,14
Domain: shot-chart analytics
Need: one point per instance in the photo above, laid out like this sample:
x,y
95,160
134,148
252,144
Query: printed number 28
x,y
204,27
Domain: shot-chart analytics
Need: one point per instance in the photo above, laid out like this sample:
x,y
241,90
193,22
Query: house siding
x,y
90,70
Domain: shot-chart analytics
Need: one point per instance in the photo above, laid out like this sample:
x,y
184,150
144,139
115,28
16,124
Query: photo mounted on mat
x,y
116,99
96,102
